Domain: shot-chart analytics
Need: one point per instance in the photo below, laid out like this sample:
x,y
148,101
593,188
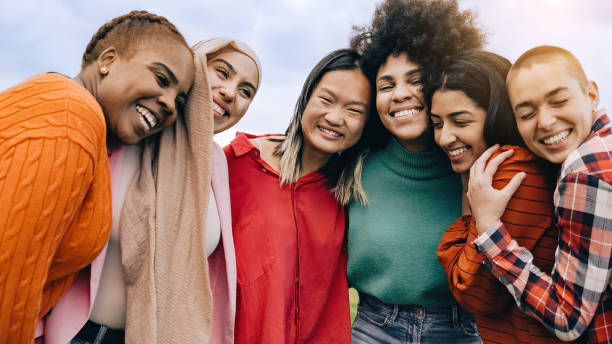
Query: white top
x,y
213,226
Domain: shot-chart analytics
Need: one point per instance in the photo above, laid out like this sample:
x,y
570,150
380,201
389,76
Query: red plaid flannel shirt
x,y
577,296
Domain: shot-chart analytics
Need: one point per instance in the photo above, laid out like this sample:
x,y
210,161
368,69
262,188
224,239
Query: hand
x,y
487,203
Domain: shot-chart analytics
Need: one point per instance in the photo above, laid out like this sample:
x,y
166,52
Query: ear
x,y
593,94
107,57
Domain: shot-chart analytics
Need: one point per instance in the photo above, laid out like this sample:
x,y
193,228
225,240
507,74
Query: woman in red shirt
x,y
288,195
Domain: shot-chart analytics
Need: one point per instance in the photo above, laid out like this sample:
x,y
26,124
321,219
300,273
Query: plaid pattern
x,y
576,297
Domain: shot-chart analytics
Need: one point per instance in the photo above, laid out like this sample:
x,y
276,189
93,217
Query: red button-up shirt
x,y
290,254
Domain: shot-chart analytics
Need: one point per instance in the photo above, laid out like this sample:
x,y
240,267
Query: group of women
x,y
259,242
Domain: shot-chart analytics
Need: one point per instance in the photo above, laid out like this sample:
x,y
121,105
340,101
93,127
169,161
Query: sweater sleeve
x,y
528,216
47,167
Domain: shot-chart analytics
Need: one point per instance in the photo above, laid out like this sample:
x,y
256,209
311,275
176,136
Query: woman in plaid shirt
x,y
555,109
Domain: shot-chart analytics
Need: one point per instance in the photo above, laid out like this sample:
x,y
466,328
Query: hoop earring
x,y
103,70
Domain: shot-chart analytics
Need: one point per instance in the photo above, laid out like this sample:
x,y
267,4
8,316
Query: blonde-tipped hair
x,y
343,170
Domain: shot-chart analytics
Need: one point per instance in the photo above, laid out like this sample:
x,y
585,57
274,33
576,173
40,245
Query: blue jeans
x,y
378,322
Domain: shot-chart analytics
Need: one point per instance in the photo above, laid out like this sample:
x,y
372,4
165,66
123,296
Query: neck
x,y
87,78
465,204
312,160
422,143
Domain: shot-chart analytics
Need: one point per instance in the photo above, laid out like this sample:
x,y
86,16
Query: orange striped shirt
x,y
529,218
55,204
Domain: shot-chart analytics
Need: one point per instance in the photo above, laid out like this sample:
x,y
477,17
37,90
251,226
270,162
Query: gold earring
x,y
103,70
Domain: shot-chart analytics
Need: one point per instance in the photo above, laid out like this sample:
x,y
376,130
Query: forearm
x,y
556,300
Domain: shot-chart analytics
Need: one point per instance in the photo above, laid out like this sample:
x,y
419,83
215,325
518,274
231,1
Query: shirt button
x,y
256,153
264,170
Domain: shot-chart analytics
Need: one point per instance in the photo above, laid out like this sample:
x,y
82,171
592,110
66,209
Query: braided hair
x,y
429,31
130,32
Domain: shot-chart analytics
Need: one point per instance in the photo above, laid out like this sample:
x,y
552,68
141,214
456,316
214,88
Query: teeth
x,y
457,151
219,109
330,132
556,139
404,113
149,119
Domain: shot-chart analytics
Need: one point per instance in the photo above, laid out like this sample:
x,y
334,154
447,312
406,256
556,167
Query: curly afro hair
x,y
431,32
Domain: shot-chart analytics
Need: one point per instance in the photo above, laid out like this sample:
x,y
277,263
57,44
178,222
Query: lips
x,y
147,117
556,138
220,109
329,132
405,112
457,152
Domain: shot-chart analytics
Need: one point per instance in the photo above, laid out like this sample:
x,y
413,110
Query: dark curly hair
x,y
429,31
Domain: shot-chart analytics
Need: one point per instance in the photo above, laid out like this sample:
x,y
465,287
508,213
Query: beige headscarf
x,y
162,223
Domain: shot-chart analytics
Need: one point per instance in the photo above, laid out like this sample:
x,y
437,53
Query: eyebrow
x,y
168,70
555,91
408,73
547,95
354,102
233,71
452,114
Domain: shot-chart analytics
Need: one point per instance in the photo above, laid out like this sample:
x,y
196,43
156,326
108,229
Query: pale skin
x,y
547,101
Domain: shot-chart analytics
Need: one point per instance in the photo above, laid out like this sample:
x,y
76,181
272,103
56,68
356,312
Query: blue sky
x,y
290,36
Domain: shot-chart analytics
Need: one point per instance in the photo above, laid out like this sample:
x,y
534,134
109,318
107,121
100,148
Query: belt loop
x,y
394,314
456,320
101,334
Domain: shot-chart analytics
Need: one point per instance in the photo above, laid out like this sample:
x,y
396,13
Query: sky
x,y
290,37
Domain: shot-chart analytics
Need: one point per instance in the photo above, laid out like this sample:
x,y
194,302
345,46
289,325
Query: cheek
x,y
356,126
381,104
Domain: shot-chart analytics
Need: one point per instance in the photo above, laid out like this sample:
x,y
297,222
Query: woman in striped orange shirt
x,y
470,112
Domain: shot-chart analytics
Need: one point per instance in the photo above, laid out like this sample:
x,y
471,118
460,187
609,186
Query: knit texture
x,y
55,212
162,228
392,241
529,218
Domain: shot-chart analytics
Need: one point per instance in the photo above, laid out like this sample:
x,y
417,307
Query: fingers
x,y
513,185
479,164
492,166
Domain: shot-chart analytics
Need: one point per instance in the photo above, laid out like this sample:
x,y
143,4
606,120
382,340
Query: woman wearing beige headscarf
x,y
172,213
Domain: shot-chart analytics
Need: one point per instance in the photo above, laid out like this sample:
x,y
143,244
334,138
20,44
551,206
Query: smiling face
x,y
336,112
233,78
553,111
458,127
399,101
144,94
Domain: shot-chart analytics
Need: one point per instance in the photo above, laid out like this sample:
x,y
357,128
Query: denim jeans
x,y
378,322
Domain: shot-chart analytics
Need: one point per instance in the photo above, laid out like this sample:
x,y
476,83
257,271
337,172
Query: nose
x,y
168,103
445,136
546,119
227,92
334,116
403,92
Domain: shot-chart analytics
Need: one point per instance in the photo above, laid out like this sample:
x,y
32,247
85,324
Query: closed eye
x,y
223,73
162,80
559,102
245,92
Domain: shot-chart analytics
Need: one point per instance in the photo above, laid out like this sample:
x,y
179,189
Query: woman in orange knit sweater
x,y
470,112
55,210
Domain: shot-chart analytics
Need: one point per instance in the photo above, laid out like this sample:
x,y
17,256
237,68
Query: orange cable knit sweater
x,y
55,203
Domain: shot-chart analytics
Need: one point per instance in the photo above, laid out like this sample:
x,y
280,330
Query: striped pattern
x,y
54,196
576,297
529,218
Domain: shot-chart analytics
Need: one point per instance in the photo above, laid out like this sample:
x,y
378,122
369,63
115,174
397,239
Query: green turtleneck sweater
x,y
412,199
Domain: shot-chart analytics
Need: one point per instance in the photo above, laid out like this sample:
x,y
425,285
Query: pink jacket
x,y
73,309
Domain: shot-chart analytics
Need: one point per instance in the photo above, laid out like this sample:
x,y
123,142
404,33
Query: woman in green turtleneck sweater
x,y
412,193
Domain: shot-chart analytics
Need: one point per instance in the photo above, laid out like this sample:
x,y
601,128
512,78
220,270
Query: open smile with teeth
x,y
330,132
404,113
147,117
555,138
219,110
458,151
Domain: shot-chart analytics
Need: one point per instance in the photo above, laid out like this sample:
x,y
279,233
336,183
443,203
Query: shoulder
x,y
592,157
51,105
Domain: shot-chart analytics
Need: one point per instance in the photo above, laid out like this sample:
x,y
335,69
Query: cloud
x,y
290,36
